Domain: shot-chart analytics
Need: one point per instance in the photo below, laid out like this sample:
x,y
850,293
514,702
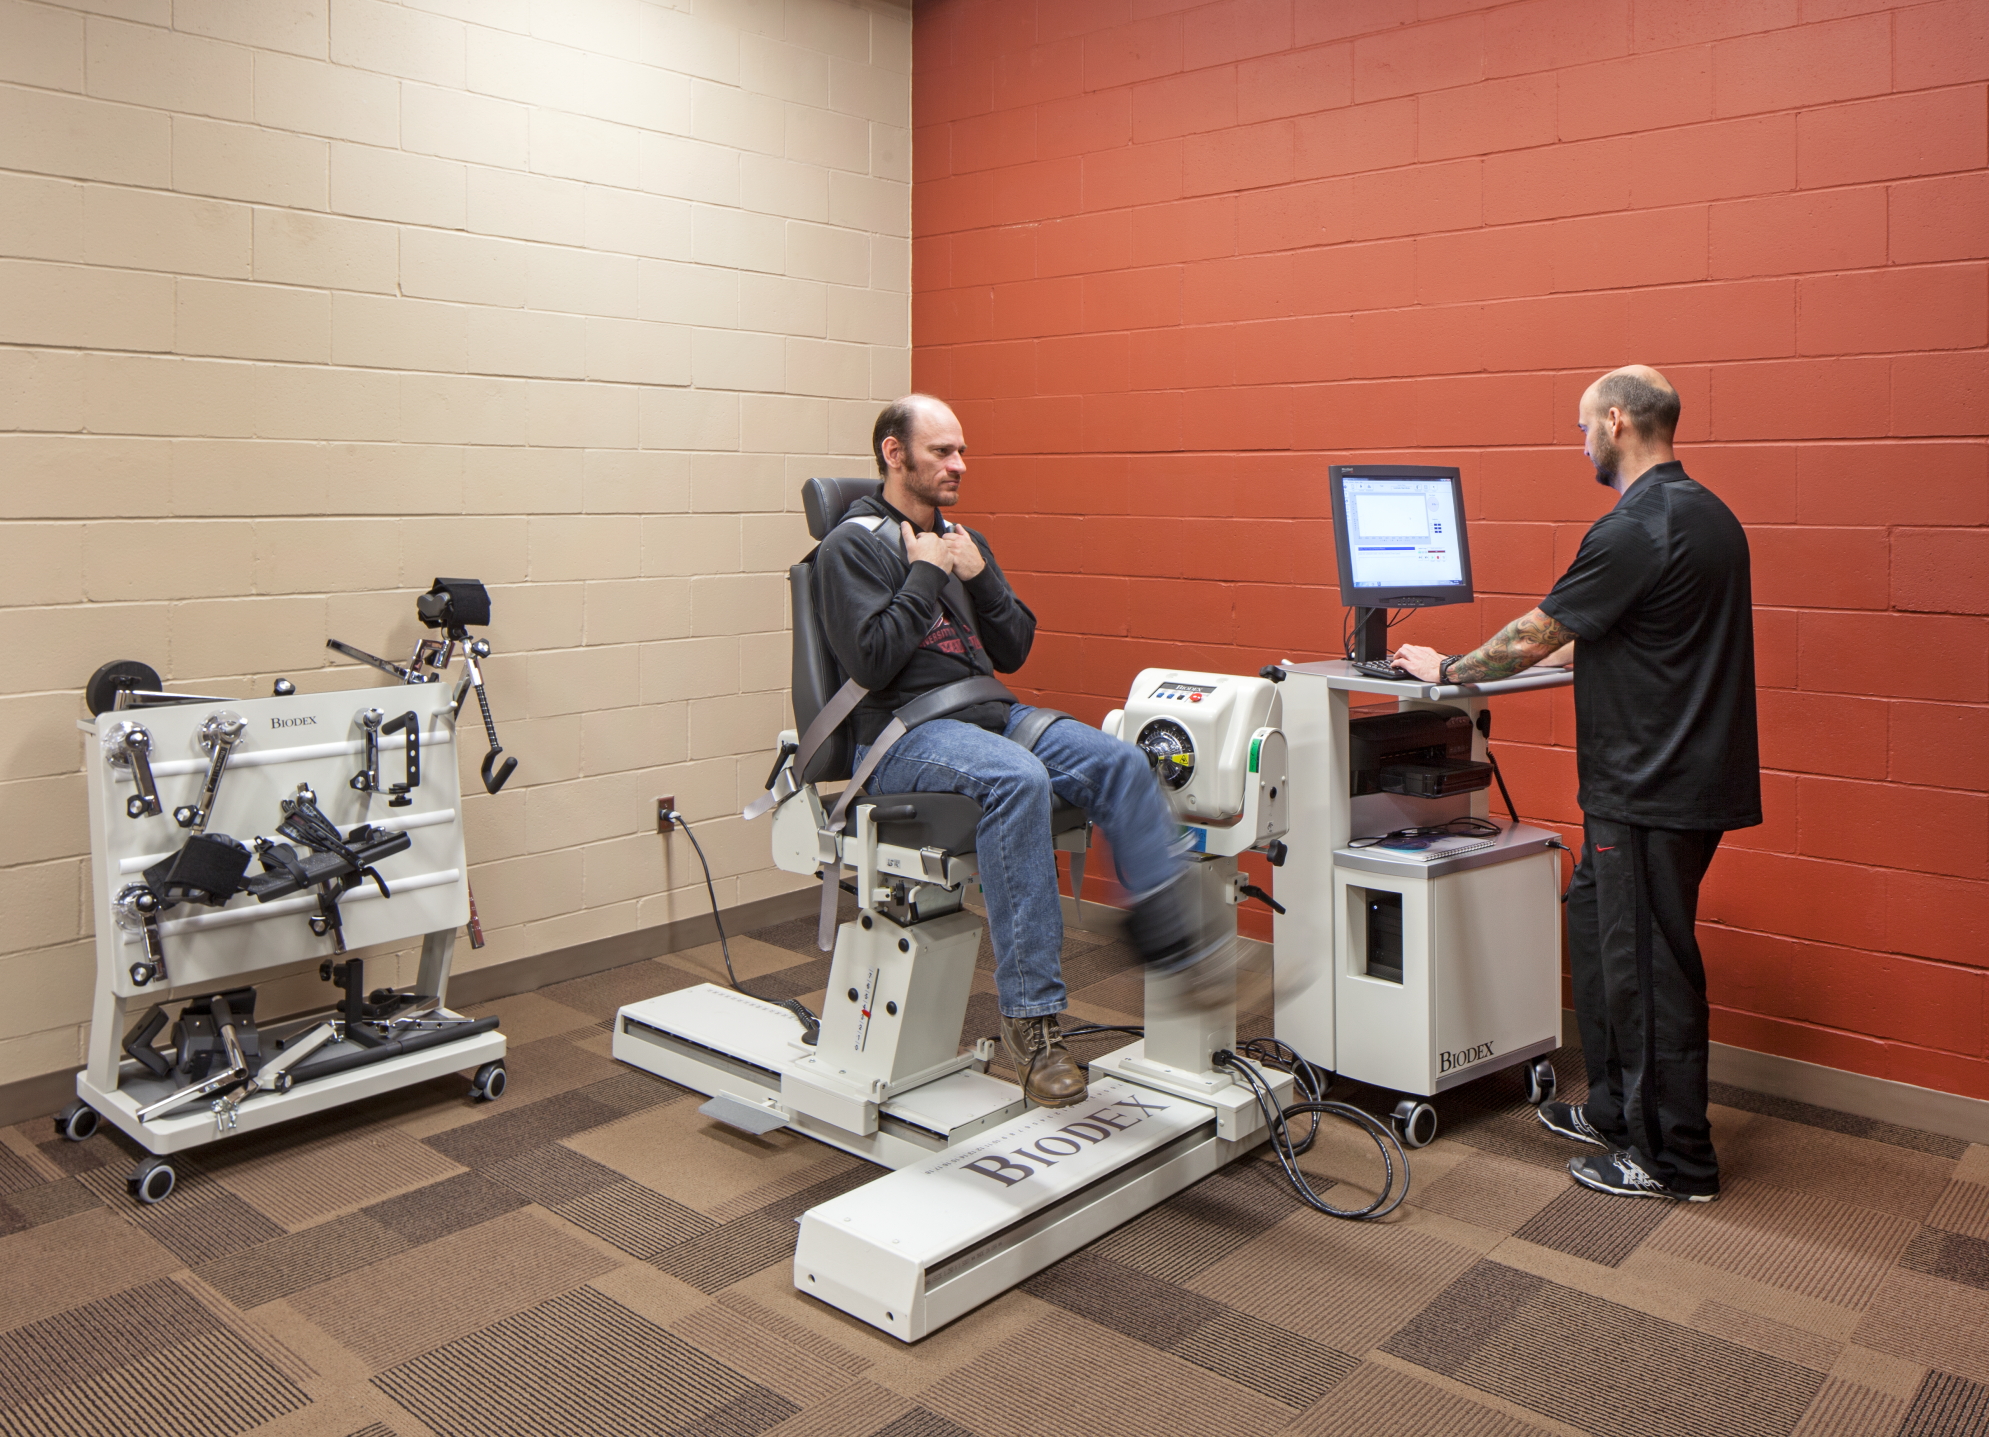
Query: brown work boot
x,y
1051,1078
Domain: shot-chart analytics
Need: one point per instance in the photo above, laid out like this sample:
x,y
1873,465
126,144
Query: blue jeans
x,y
1107,778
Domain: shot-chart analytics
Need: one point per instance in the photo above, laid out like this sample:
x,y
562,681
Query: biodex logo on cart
x,y
1095,1127
307,719
1465,1057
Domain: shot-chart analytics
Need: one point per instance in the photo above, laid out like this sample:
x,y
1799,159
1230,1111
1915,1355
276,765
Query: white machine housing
x,y
1478,986
930,1241
1225,732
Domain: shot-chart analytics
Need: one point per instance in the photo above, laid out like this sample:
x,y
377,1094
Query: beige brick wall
x,y
304,303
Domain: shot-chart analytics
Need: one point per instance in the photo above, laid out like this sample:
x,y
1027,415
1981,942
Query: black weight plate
x,y
117,675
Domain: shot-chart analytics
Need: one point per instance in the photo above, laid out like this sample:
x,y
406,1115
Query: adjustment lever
x,y
128,747
218,737
1251,890
787,751
367,780
136,909
410,724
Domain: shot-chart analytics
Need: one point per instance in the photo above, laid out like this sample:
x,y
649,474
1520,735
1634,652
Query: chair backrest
x,y
827,500
815,673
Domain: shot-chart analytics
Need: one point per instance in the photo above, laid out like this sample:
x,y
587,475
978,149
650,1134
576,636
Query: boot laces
x,y
1039,1035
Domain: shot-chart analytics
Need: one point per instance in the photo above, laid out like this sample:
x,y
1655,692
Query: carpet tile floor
x,y
589,1255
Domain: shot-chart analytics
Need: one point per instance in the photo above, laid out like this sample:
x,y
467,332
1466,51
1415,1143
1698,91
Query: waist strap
x,y
930,705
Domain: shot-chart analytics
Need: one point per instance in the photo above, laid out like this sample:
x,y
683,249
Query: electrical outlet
x,y
664,806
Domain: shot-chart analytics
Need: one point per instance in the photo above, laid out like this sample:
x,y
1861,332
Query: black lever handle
x,y
895,813
1251,890
492,785
787,750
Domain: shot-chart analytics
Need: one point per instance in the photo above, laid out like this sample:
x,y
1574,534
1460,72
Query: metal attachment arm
x,y
218,737
136,909
367,780
128,745
472,651
273,1076
386,666
408,723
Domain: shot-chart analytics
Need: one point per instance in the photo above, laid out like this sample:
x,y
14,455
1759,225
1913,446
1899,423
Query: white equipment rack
x,y
313,739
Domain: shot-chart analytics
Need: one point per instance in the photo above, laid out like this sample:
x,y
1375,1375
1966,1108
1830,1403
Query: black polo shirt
x,y
1663,614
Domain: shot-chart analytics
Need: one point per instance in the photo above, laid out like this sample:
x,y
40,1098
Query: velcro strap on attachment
x,y
1030,731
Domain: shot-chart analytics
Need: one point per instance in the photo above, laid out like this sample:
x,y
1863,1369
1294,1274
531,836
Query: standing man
x,y
913,603
1658,605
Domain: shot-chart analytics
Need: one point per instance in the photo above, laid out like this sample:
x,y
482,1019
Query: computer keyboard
x,y
1382,669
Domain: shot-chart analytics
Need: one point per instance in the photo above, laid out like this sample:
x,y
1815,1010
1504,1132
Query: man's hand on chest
x,y
964,552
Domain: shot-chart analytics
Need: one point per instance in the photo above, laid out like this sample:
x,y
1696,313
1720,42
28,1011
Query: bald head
x,y
1643,396
898,420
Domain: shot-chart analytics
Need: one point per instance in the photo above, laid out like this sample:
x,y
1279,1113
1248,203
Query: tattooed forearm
x,y
1519,645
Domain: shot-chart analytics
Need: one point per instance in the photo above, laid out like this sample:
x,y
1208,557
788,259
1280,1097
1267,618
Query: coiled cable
x,y
1312,1084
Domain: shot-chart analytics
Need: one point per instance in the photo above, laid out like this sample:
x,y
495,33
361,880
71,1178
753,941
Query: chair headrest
x,y
827,500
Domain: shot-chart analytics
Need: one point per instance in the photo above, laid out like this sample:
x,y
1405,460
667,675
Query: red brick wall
x,y
1170,260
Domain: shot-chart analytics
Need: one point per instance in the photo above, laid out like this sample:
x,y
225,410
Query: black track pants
x,y
1640,995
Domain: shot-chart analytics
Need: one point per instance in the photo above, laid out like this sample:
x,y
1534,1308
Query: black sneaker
x,y
1570,1120
1623,1175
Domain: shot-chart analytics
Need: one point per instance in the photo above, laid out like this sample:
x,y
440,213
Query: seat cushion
x,y
943,820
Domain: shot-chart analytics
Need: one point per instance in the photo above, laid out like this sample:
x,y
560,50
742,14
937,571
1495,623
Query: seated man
x,y
900,627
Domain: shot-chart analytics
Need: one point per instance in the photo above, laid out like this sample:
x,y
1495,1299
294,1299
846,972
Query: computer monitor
x,y
1401,541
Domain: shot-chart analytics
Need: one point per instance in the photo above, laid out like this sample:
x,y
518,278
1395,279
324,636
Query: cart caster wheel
x,y
488,1085
153,1180
1415,1123
78,1122
1540,1082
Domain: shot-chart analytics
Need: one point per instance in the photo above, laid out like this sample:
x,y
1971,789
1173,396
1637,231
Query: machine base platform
x,y
717,1041
987,1190
929,1243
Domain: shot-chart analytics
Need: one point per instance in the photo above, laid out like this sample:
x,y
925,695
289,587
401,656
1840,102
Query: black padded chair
x,y
945,821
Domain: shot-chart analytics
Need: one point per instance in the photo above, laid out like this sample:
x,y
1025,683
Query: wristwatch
x,y
1443,669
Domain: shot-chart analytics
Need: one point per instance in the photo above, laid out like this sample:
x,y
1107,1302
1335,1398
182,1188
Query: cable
x,y
810,1024
1312,1083
723,947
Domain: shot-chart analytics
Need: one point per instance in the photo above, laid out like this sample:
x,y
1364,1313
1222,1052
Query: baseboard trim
x,y
1859,1094
527,975
47,1093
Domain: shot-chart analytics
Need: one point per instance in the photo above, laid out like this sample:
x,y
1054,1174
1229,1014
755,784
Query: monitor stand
x,y
1370,634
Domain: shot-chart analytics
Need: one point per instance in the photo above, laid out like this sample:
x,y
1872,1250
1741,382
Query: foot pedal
x,y
753,1119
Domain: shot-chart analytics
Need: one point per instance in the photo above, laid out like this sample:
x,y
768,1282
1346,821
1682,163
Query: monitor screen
x,y
1400,535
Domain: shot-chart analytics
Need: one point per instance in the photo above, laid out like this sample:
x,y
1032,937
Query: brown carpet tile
x,y
591,1255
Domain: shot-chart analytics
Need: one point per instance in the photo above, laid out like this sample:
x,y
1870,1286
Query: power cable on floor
x,y
810,1024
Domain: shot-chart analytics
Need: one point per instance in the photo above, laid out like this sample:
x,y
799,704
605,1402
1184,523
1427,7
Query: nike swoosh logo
x,y
1611,848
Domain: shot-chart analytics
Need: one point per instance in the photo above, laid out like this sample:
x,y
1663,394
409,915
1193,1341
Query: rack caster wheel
x,y
153,1180
78,1122
489,1083
1415,1123
1540,1082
